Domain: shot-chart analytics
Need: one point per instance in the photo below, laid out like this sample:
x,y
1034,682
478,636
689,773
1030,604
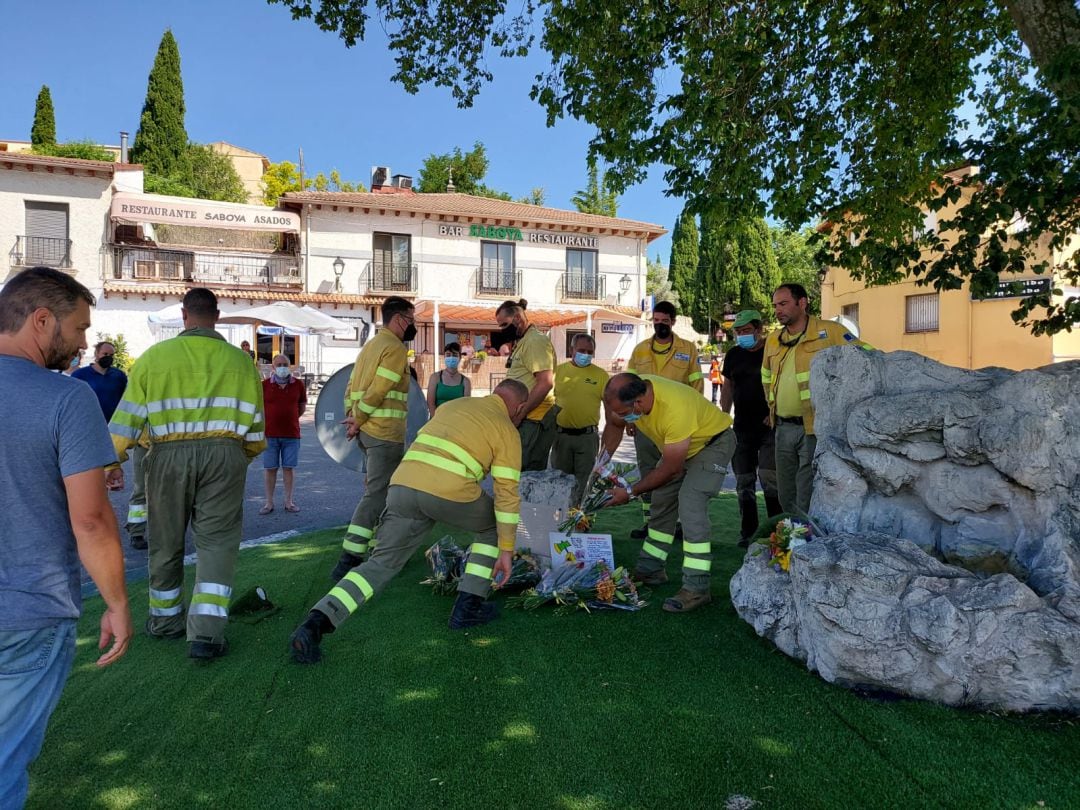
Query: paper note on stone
x,y
575,548
545,500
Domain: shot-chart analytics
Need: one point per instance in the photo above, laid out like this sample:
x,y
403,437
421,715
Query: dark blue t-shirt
x,y
109,387
52,428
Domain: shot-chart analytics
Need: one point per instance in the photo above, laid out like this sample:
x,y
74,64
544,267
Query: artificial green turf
x,y
537,710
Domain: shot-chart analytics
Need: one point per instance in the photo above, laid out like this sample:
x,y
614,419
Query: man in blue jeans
x,y
55,446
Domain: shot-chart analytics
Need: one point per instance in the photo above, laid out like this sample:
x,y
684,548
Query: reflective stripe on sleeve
x,y
506,472
454,450
695,376
507,517
382,371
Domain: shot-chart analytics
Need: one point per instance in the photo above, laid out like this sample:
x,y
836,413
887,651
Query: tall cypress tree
x,y
683,266
43,132
738,268
161,142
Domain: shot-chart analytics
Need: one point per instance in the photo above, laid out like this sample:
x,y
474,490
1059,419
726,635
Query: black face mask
x,y
662,330
508,334
105,360
409,333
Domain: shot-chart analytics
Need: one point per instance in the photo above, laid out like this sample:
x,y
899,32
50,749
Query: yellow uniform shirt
x,y
578,393
532,353
465,440
680,413
788,403
378,392
679,363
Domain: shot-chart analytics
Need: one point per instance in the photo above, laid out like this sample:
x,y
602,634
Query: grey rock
x,y
950,569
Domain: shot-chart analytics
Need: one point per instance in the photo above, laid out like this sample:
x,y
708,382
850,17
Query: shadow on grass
x,y
639,710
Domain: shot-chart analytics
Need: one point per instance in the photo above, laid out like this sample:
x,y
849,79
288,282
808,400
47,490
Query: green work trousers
x,y
794,467
575,454
536,440
686,498
136,518
648,456
409,516
383,458
200,481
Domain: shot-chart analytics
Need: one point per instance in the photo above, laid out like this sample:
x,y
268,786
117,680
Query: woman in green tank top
x,y
449,383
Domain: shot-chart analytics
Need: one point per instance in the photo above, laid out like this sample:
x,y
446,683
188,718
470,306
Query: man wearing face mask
x,y
531,363
755,456
107,382
376,404
666,355
696,448
285,401
438,481
579,389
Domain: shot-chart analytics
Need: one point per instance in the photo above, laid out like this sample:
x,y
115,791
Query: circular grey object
x,y
330,410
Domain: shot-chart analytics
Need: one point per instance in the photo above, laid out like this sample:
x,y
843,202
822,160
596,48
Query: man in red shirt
x,y
285,400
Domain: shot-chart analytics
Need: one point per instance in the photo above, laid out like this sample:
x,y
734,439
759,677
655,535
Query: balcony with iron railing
x,y
211,268
577,286
32,251
496,282
392,277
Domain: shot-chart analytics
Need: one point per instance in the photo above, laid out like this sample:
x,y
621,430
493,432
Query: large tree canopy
x,y
849,111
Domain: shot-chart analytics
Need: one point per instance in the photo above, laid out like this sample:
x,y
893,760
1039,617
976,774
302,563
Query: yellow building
x,y
249,165
951,327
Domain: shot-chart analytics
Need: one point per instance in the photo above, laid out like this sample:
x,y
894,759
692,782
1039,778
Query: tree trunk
x,y
1051,31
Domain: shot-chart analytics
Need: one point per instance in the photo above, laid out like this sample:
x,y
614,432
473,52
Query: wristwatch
x,y
630,493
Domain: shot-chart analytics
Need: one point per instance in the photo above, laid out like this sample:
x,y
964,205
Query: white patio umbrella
x,y
296,320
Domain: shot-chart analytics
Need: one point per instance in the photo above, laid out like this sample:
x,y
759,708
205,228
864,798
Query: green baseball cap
x,y
746,317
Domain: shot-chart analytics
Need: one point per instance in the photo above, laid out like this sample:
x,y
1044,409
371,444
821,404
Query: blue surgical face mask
x,y
452,363
282,372
582,359
746,341
631,417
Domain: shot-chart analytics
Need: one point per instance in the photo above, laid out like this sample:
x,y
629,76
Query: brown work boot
x,y
653,578
685,601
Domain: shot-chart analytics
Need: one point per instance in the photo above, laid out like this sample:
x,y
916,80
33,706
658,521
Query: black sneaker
x,y
180,633
304,642
207,650
471,610
640,533
346,563
138,541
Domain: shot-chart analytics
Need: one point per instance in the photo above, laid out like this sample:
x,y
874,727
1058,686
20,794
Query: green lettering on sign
x,y
491,232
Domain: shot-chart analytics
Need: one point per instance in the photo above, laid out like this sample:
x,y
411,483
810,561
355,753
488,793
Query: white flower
x,y
795,542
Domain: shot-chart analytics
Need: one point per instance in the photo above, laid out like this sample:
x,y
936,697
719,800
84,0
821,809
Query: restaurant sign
x,y
502,234
201,213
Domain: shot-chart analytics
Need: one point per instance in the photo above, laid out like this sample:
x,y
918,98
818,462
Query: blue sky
x,y
255,78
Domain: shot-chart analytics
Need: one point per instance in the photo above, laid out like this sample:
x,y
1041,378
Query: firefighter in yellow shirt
x,y
666,355
438,481
579,389
531,363
376,405
785,374
697,445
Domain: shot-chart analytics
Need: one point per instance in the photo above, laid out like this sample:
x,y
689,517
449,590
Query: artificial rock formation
x,y
950,569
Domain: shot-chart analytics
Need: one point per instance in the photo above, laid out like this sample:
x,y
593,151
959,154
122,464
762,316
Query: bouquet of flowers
x,y
480,357
447,561
606,476
588,586
787,534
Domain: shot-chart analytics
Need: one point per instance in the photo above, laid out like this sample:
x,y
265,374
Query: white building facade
x,y
457,257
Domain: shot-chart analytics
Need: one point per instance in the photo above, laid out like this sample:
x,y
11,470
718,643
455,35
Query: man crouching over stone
x,y
696,443
438,480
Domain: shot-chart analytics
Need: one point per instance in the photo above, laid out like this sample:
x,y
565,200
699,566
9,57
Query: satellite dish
x,y
848,324
330,410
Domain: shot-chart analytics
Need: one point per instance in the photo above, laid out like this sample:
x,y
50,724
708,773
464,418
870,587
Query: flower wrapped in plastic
x,y
588,586
607,475
785,535
447,562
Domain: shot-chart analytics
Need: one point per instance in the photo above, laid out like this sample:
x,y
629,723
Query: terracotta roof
x,y
485,315
618,309
479,208
248,294
10,159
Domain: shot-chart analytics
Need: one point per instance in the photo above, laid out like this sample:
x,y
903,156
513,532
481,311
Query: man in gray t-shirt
x,y
53,451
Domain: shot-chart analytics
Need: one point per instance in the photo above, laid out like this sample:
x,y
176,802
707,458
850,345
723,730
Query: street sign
x,y
616,328
1017,288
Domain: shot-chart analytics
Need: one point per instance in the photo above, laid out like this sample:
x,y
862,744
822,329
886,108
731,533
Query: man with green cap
x,y
755,455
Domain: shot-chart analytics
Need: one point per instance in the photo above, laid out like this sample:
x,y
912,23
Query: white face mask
x,y
281,372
